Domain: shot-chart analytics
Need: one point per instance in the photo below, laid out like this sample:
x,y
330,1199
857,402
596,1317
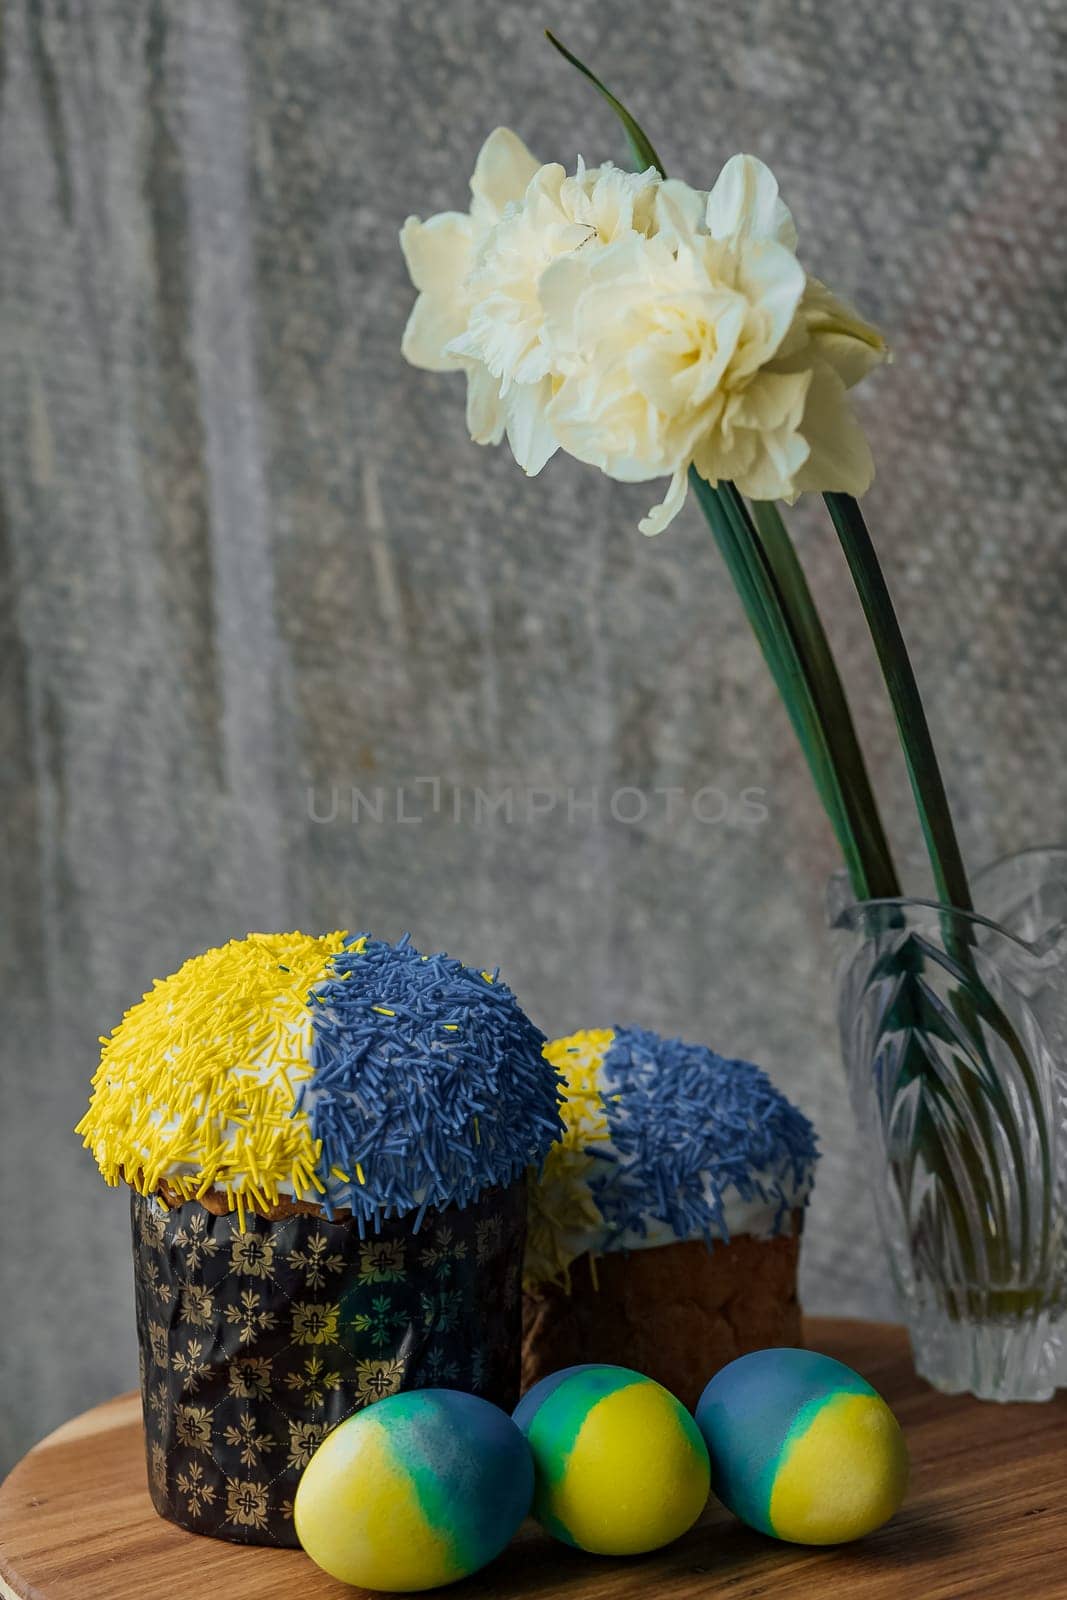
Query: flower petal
x,y
617,201
679,211
767,448
485,411
744,204
660,516
772,473
841,337
530,435
438,251
560,289
434,322
772,280
503,169
438,255
840,458
725,453
771,402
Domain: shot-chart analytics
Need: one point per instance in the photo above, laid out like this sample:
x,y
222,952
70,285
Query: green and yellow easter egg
x,y
418,1490
620,1467
802,1447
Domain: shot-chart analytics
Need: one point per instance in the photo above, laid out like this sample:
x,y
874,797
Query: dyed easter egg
x,y
619,1464
802,1447
418,1490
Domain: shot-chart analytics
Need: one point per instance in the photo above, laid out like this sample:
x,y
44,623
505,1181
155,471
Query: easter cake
x,y
326,1140
665,1225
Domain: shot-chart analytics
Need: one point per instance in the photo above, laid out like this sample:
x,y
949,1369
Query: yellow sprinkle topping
x,y
198,1081
562,1211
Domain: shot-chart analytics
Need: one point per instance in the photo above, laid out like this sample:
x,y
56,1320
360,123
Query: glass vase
x,y
954,1035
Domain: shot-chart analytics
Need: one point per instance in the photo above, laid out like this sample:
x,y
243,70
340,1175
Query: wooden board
x,y
987,1515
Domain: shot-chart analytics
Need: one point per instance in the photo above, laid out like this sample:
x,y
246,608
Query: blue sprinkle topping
x,y
428,1077
686,1127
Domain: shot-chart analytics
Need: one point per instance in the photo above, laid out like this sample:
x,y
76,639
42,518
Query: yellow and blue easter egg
x,y
802,1447
418,1490
619,1464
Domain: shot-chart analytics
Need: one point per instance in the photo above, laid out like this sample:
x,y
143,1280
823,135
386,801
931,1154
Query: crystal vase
x,y
954,1035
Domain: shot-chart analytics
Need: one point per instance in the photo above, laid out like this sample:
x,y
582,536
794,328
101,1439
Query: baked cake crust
x,y
678,1312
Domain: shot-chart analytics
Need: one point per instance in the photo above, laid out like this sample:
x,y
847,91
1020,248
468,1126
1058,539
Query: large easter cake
x,y
326,1140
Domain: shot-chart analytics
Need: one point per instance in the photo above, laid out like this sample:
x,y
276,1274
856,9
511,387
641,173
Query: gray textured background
x,y
246,551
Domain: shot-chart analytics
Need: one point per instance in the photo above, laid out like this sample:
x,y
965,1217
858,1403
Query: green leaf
x,y
641,145
779,638
926,782
830,700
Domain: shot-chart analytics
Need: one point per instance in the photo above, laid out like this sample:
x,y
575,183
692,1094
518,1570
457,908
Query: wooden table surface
x,y
986,1515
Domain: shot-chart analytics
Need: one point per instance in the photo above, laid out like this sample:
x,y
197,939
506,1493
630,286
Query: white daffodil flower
x,y
645,326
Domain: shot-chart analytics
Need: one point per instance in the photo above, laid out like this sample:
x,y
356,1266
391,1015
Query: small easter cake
x,y
665,1226
326,1140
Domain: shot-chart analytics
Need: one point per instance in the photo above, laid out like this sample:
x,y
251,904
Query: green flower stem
x,y
750,582
923,770
882,882
774,594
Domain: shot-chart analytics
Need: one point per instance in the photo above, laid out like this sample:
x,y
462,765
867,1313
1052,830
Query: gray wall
x,y
247,551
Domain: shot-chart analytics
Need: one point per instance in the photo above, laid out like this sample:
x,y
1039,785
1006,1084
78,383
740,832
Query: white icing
x,y
762,1214
291,1067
